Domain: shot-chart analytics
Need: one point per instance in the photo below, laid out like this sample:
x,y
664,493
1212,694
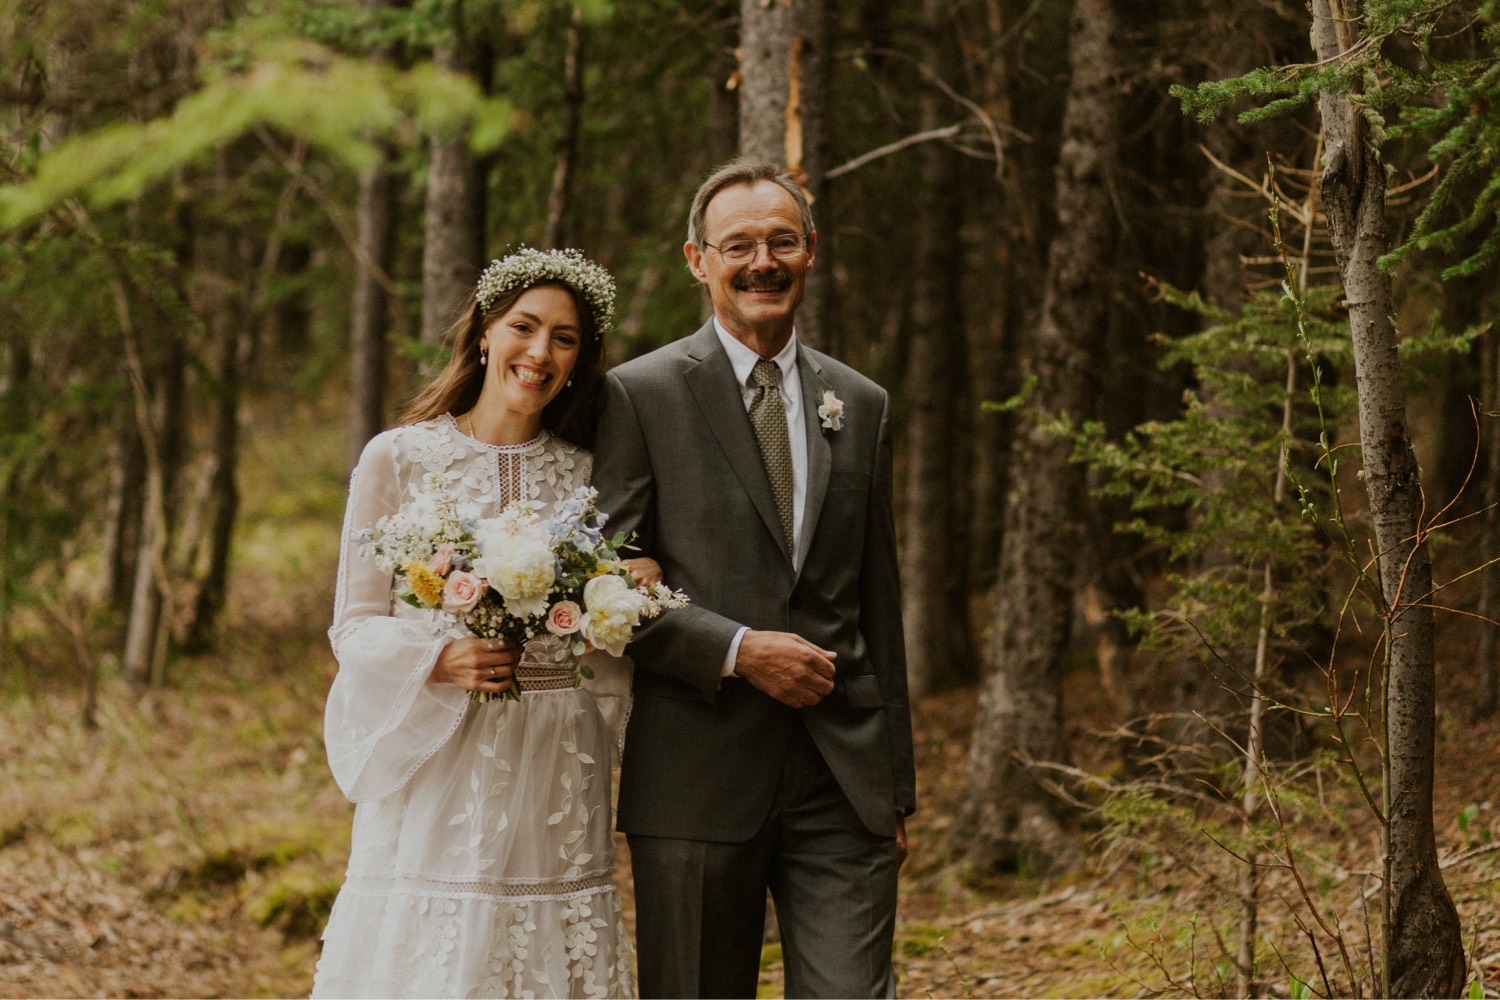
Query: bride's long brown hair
x,y
455,390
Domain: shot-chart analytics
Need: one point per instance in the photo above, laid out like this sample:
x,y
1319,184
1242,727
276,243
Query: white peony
x,y
518,562
613,612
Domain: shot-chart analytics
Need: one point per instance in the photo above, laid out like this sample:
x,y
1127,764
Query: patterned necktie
x,y
768,415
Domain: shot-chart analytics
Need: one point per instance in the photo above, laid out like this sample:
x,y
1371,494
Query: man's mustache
x,y
767,281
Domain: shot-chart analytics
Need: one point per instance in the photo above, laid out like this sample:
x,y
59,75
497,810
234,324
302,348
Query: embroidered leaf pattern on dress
x,y
482,853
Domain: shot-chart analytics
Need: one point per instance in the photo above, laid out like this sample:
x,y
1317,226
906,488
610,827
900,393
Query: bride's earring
x,y
568,382
484,356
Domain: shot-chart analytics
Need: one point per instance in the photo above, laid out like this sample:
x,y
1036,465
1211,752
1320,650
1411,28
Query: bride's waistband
x,y
545,677
399,884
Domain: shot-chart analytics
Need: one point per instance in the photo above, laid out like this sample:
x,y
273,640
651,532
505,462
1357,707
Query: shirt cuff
x,y
727,670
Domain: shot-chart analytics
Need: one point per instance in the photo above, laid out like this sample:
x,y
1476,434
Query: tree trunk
x,y
160,410
1007,819
1010,265
566,154
370,319
1422,937
127,472
1487,698
939,653
783,102
369,315
15,373
453,251
237,347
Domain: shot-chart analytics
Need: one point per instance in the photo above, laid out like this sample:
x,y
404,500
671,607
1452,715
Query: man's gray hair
x,y
744,171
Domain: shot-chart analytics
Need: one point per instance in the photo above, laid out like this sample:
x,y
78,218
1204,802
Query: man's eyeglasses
x,y
783,247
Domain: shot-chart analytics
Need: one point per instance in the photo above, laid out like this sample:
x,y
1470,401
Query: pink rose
x,y
441,561
462,592
564,618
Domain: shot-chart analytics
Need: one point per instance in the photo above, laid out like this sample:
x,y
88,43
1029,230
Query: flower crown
x,y
528,266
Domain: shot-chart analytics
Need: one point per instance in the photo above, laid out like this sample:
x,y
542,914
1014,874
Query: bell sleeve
x,y
382,720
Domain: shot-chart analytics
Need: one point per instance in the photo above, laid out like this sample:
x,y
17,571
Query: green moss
x,y
296,901
918,940
262,849
191,908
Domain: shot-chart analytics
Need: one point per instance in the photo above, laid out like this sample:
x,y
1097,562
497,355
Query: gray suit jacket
x,y
676,462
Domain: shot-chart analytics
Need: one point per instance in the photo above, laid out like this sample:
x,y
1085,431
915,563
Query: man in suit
x,y
770,744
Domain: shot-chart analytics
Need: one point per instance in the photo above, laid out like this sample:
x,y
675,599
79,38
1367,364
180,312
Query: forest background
x,y
1185,308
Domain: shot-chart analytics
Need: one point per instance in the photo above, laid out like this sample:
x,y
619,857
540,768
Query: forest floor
x,y
188,843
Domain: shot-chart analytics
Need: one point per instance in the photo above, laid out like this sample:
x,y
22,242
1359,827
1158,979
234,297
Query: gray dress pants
x,y
700,906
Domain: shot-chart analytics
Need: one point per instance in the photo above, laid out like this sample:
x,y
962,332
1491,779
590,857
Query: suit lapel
x,y
719,399
819,450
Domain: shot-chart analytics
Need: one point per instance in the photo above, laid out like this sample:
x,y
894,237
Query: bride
x,y
481,858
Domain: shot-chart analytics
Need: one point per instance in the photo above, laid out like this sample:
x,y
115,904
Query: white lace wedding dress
x,y
481,858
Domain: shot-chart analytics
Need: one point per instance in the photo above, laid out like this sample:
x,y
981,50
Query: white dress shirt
x,y
743,360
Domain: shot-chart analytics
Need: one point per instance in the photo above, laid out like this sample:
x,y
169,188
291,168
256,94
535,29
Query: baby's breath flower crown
x,y
528,266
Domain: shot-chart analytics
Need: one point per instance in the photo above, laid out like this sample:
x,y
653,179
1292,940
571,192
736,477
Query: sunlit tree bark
x,y
783,102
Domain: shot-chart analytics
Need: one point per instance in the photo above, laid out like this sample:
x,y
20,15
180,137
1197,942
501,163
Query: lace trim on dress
x,y
515,889
417,676
341,594
513,476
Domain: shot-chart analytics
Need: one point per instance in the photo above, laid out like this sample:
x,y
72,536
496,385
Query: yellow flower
x,y
425,585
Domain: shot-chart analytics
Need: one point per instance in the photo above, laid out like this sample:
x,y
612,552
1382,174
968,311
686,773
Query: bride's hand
x,y
477,664
644,570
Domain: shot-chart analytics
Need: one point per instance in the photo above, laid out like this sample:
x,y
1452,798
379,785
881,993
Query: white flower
x,y
831,411
528,266
614,610
518,562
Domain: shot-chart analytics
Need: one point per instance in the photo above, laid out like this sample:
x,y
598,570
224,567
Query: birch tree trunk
x,y
453,249
783,102
939,652
1422,936
1007,819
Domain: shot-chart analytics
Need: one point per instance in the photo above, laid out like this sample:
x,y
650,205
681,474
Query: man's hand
x,y
786,666
901,846
645,571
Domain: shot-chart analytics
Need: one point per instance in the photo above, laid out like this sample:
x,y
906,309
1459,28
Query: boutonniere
x,y
831,412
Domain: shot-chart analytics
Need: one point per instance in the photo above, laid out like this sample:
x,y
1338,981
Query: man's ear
x,y
812,246
694,254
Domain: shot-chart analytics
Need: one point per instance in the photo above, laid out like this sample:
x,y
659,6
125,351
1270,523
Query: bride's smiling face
x,y
533,348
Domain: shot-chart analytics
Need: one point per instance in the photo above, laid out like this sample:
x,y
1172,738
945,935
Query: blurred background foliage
x,y
229,230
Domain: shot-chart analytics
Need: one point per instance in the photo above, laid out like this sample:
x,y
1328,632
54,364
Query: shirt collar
x,y
743,359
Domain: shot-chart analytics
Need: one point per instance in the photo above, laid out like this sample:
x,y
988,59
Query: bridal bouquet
x,y
518,575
